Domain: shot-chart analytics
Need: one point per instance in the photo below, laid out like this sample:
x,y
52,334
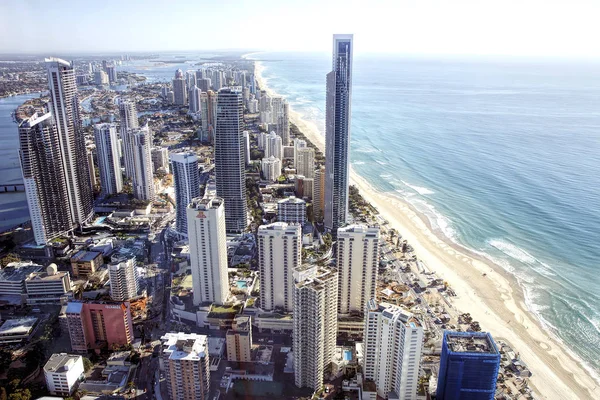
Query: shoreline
x,y
496,300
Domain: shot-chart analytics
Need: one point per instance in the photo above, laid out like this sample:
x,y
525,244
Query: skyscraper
x,y
305,162
392,342
124,281
109,164
180,88
469,366
279,254
129,120
44,178
337,133
230,169
315,323
273,146
65,110
358,266
143,175
208,250
186,179
319,193
194,100
186,364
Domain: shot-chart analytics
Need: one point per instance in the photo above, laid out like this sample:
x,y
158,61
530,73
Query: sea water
x,y
501,155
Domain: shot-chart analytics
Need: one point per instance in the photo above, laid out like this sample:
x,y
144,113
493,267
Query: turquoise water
x,y
242,284
502,156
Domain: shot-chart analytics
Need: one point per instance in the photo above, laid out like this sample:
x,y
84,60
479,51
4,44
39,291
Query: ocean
x,y
501,155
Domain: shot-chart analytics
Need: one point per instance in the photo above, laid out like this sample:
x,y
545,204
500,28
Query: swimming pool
x,y
242,284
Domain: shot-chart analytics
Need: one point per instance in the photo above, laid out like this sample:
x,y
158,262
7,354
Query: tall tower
x,y
305,162
194,100
230,169
44,178
129,120
392,341
187,185
469,366
179,88
107,147
143,175
208,250
186,364
124,282
315,324
337,133
279,254
65,109
319,193
357,265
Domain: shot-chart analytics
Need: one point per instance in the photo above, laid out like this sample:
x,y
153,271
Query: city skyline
x,y
433,27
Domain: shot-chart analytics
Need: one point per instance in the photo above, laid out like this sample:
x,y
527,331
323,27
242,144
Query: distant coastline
x,y
465,270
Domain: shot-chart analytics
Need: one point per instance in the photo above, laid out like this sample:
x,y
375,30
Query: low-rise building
x,y
85,263
63,372
291,210
51,286
17,329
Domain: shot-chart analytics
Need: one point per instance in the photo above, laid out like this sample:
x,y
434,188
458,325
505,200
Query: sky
x,y
555,28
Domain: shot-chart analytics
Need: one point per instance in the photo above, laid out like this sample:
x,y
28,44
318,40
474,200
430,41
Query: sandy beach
x,y
495,300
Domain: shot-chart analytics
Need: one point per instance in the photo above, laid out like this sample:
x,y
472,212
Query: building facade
x,y
85,263
392,340
208,250
186,179
279,254
305,162
239,340
49,287
109,162
291,210
315,324
337,133
271,168
358,266
319,194
180,88
186,364
128,120
230,169
99,325
469,366
63,372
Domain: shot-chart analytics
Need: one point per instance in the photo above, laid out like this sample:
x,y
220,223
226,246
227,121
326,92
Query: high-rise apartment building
x,y
128,120
204,84
195,100
273,146
469,366
230,169
239,340
291,210
283,123
180,88
392,340
186,363
124,280
246,136
319,193
44,178
208,250
358,266
298,144
99,325
279,254
143,173
315,324
305,162
271,168
337,133
109,163
160,159
186,179
64,104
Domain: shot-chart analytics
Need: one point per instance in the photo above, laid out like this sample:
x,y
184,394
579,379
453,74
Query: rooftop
x,y
470,342
85,256
184,346
61,362
18,272
17,326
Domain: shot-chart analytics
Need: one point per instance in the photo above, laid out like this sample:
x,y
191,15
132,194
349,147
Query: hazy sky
x,y
508,27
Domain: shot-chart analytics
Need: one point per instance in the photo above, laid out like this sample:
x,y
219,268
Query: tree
x,y
87,364
3,395
20,394
9,258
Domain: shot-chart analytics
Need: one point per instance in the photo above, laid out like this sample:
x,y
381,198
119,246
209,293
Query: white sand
x,y
495,300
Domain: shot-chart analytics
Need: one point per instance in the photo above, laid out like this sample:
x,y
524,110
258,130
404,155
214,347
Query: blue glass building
x,y
468,366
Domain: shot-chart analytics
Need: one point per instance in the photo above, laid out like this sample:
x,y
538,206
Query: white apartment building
x,y
273,146
63,372
109,162
279,254
186,179
358,266
208,250
393,340
186,364
315,323
291,210
298,144
305,162
143,173
271,168
124,281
